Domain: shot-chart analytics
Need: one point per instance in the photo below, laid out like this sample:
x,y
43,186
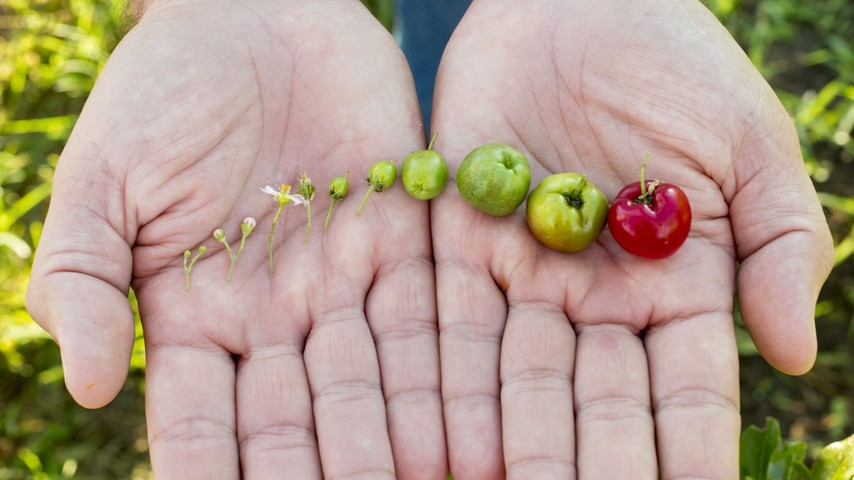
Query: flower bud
x,y
219,235
306,188
247,226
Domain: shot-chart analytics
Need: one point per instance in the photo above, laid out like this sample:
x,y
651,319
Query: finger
x,y
693,367
472,311
349,409
189,403
275,424
536,393
782,239
401,311
79,284
613,411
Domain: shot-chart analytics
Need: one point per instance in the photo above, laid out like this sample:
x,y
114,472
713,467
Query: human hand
x,y
599,363
199,106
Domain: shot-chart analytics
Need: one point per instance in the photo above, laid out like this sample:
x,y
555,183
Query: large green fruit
x,y
494,178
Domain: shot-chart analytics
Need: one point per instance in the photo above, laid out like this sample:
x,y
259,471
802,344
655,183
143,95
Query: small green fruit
x,y
424,173
494,178
339,187
380,177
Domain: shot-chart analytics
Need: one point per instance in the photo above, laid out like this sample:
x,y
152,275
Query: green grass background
x,y
51,52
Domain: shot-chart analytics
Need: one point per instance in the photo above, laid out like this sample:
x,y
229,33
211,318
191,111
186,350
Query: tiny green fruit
x,y
380,177
567,212
338,188
494,178
424,173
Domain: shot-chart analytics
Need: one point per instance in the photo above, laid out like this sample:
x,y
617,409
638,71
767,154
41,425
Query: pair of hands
x,y
551,364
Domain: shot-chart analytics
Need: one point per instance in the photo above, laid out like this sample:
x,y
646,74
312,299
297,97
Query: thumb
x,y
782,241
81,273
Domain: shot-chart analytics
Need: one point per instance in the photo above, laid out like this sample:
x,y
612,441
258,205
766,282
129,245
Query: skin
x,y
200,105
569,365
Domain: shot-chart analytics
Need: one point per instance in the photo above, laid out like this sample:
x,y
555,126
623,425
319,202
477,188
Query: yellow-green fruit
x,y
424,174
567,212
494,178
338,188
381,175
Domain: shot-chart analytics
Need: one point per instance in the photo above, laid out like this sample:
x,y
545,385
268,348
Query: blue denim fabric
x,y
423,28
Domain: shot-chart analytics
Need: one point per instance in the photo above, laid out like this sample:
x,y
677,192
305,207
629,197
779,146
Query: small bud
x,y
306,189
219,235
202,250
247,226
187,254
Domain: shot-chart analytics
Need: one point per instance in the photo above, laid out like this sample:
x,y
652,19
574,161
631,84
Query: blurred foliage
x,y
806,52
383,10
765,456
50,54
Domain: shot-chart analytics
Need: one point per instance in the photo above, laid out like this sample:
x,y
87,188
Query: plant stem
x,y
236,255
270,236
329,213
430,147
643,171
189,267
233,258
308,226
364,200
242,244
186,271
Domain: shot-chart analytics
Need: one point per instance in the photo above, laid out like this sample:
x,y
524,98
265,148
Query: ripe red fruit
x,y
650,219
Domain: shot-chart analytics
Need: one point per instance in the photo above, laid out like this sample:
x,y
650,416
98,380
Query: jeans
x,y
423,28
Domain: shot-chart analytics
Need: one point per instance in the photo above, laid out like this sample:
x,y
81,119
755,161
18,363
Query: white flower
x,y
283,195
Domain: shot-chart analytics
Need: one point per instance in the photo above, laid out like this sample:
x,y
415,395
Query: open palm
x,y
600,363
267,375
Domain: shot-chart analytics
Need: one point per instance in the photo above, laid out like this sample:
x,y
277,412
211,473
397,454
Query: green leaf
x,y
757,447
24,205
787,462
15,243
835,461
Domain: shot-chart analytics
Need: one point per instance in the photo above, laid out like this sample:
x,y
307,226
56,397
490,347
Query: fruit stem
x,y
364,200
430,147
308,226
329,214
646,193
270,236
643,171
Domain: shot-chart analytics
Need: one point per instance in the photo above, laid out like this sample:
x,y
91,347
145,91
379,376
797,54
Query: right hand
x,y
598,363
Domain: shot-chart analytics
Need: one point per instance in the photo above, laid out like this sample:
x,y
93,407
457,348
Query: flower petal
x,y
270,191
298,199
